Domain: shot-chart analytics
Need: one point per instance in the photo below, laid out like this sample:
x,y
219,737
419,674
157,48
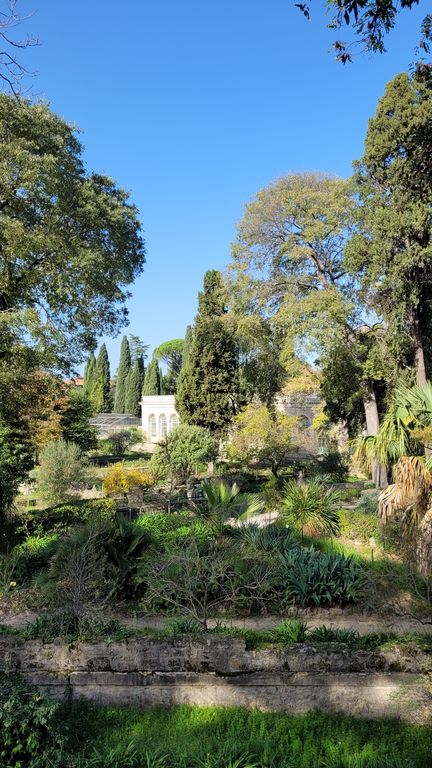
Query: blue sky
x,y
193,106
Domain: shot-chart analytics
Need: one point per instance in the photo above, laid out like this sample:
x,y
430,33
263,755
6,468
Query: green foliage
x,y
184,626
119,441
33,556
62,470
225,502
177,456
310,507
394,181
271,538
121,376
358,524
89,375
262,435
62,517
100,389
333,465
152,379
309,577
368,502
73,628
31,734
290,631
209,737
171,352
74,421
209,385
133,389
75,244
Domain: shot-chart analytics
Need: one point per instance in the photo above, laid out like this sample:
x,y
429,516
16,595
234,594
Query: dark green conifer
x,y
133,391
89,372
152,380
208,389
122,372
100,393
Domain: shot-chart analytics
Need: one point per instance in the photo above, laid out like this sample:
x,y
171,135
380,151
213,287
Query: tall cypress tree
x,y
101,387
122,372
152,381
89,372
208,388
133,391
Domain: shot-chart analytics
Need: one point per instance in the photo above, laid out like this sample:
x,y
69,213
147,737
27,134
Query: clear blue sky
x,y
193,106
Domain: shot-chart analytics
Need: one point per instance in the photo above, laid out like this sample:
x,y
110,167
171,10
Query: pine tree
x,y
122,372
208,389
100,392
152,381
133,391
89,372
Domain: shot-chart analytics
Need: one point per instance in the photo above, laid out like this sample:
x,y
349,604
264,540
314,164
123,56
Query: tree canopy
x,y
70,241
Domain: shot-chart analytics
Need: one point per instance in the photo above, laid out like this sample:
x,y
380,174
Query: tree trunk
x,y
424,545
417,338
379,471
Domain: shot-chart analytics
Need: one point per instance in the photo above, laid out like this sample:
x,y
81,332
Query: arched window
x,y
173,422
152,427
163,426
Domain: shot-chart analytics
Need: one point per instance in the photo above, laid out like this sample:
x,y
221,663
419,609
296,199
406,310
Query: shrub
x,y
269,538
309,577
73,628
120,479
357,525
30,729
332,464
310,507
368,502
33,556
289,631
225,502
62,472
119,441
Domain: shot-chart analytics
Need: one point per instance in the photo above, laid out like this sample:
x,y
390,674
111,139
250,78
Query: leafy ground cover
x,y
187,737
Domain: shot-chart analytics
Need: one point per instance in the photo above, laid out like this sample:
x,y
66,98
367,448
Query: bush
x,y
368,502
33,556
289,632
62,472
119,441
31,736
121,479
309,577
310,507
332,464
357,525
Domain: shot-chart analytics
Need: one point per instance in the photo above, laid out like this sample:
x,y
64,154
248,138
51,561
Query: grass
x,y
215,738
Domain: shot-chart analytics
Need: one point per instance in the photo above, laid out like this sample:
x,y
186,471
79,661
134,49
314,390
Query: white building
x,y
158,416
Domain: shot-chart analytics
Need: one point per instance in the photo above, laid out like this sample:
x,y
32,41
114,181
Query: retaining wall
x,y
216,670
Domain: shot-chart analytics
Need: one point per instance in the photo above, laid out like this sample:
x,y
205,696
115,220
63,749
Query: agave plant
x,y
311,508
225,502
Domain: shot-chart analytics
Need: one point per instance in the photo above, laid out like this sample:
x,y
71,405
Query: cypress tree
x,y
133,391
208,388
152,381
141,368
100,392
122,372
89,372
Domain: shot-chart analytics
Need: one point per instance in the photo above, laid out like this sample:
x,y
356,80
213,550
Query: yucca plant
x,y
225,502
311,508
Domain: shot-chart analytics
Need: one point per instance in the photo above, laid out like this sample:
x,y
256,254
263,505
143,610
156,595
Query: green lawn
x,y
217,738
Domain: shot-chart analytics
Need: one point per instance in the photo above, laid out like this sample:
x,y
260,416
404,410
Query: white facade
x,y
158,416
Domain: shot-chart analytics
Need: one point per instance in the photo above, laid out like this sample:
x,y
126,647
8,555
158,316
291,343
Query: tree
x,y
370,22
121,440
288,267
392,253
100,392
89,375
152,379
171,353
12,69
62,471
133,390
311,508
263,435
177,457
209,385
74,421
122,373
70,241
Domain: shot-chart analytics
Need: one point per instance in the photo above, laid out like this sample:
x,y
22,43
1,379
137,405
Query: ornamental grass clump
x,y
310,508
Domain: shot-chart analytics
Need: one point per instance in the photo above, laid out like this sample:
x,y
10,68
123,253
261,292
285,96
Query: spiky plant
x,y
225,502
310,508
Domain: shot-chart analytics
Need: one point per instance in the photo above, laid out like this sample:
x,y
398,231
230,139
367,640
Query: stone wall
x,y
216,670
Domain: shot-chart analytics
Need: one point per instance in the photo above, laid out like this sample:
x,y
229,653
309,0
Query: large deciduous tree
x,y
209,386
70,241
393,253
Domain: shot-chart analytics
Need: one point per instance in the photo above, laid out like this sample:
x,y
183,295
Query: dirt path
x,y
361,622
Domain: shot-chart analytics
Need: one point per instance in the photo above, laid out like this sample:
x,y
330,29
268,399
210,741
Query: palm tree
x,y
311,508
225,502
